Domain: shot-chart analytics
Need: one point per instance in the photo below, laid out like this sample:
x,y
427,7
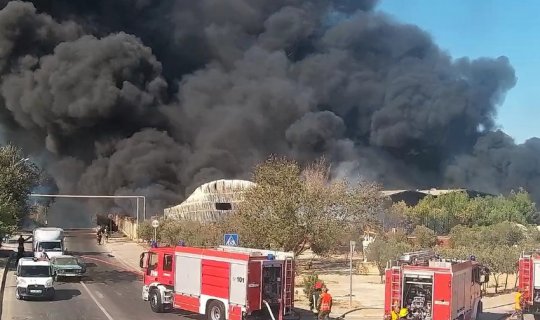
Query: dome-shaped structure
x,y
211,201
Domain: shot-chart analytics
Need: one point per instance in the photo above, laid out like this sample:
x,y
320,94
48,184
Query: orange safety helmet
x,y
318,285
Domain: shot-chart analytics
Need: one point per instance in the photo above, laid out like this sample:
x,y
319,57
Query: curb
x,y
3,285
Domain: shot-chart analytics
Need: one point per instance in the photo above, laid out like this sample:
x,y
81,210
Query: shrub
x,y
308,282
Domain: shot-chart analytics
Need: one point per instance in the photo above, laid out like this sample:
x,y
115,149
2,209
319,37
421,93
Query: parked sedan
x,y
68,266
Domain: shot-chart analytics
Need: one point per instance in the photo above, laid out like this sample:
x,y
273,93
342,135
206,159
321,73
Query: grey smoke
x,y
156,97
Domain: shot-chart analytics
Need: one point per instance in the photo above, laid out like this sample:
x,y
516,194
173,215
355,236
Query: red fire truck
x,y
432,288
529,282
231,283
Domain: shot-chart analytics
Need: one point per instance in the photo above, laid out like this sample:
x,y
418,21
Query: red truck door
x,y
151,274
442,295
166,274
254,286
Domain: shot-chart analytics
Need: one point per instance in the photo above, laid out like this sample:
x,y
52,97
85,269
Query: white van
x,y
35,279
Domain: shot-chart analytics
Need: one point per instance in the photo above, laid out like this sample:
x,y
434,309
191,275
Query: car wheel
x,y
216,311
155,301
17,295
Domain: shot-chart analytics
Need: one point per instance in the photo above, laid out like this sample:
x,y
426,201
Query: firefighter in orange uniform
x,y
324,304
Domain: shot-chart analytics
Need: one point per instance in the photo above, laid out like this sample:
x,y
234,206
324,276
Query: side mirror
x,y
484,278
142,260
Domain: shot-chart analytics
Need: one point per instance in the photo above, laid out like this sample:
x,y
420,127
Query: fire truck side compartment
x,y
272,281
442,295
536,275
238,285
254,286
215,278
184,282
418,294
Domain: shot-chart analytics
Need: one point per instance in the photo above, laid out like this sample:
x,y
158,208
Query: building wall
x,y
211,201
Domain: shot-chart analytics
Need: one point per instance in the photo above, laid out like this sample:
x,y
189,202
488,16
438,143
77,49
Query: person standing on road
x,y
20,247
324,304
106,233
99,236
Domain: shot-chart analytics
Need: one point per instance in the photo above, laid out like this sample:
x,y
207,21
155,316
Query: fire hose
x,y
342,317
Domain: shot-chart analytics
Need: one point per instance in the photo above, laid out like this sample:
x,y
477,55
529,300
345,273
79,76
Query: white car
x,y
35,279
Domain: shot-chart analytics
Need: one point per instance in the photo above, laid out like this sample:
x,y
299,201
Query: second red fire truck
x,y
529,283
431,288
222,283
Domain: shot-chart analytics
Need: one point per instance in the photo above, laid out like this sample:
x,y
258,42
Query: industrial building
x,y
412,197
211,201
217,199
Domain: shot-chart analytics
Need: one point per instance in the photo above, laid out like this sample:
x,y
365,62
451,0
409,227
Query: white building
x,y
211,201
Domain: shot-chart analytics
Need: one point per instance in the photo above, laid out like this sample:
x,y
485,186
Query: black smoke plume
x,y
156,97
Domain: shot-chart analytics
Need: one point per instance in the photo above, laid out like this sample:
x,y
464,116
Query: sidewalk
x,y
126,251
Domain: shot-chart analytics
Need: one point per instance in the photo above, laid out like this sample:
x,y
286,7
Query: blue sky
x,y
489,28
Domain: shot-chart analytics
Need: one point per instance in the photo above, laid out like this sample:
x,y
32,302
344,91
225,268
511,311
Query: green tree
x,y
424,237
500,234
145,231
193,233
443,212
18,176
292,209
384,249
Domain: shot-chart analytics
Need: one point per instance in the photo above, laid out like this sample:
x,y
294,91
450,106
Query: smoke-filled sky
x,y
156,97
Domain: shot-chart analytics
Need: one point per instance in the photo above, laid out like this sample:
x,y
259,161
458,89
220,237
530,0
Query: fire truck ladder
x,y
526,275
395,286
288,272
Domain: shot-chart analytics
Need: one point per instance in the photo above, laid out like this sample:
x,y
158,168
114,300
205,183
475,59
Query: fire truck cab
x,y
431,288
222,283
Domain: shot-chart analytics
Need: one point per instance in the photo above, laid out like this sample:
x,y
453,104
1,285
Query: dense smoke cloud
x,y
156,97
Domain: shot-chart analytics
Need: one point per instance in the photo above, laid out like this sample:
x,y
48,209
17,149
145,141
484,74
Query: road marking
x,y
99,294
97,302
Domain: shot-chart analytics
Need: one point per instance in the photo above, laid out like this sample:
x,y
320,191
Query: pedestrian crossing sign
x,y
231,239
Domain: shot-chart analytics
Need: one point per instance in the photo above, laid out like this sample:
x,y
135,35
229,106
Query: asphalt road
x,y
108,292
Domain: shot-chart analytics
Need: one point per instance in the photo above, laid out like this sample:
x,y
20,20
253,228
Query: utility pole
x,y
351,247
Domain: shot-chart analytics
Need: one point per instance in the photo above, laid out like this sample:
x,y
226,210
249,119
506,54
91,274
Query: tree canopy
x,y
18,176
446,211
291,208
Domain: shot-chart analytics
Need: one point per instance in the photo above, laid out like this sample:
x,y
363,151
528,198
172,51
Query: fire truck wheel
x,y
216,311
480,308
155,301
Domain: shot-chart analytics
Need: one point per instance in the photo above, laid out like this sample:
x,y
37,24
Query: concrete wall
x,y
127,225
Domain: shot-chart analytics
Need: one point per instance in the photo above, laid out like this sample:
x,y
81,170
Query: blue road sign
x,y
231,239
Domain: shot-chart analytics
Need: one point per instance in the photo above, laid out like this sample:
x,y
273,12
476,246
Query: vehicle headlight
x,y
21,282
49,283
